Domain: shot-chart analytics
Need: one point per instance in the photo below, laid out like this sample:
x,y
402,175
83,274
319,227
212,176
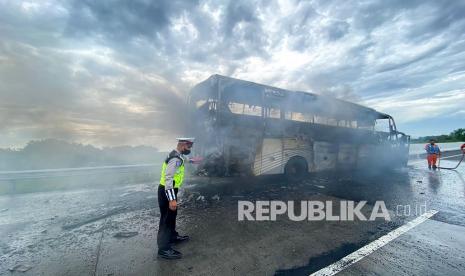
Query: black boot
x,y
169,253
178,239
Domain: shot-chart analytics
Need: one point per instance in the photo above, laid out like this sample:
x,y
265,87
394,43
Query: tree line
x,y
52,153
457,135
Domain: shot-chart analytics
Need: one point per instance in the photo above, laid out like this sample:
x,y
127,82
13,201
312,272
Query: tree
x,y
458,134
52,153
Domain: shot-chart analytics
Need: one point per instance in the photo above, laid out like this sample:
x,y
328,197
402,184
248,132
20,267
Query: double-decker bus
x,y
242,127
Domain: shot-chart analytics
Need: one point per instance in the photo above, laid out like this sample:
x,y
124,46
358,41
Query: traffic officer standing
x,y
172,175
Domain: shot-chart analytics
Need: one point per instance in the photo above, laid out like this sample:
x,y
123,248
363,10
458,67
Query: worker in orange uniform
x,y
432,152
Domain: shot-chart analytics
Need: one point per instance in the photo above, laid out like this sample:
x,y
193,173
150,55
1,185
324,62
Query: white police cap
x,y
185,139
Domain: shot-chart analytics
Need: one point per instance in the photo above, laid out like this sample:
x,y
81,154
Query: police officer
x,y
172,175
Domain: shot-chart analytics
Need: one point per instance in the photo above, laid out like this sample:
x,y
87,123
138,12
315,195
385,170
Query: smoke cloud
x,y
118,72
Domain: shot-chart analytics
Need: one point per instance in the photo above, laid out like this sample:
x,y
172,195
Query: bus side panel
x,y
365,155
298,147
325,156
276,152
269,157
347,156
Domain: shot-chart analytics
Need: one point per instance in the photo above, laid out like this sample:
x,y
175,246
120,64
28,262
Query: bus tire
x,y
296,168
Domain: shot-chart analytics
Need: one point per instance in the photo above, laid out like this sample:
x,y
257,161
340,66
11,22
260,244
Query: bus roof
x,y
236,90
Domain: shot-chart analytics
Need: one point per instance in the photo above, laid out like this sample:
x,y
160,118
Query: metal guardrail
x,y
64,172
443,153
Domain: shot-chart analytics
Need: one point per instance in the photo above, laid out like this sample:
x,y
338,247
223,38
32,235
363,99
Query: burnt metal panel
x,y
235,90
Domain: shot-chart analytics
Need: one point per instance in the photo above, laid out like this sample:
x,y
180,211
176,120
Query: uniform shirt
x,y
432,149
171,168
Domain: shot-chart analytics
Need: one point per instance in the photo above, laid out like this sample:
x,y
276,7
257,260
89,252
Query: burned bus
x,y
243,127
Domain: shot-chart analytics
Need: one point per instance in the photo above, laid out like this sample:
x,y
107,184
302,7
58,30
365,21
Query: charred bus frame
x,y
248,128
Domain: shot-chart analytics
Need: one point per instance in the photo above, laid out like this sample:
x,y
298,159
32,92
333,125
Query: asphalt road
x,y
112,231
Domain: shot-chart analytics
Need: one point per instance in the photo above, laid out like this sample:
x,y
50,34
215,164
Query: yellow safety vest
x,y
178,175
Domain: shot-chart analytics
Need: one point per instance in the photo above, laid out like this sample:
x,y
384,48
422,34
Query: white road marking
x,y
372,247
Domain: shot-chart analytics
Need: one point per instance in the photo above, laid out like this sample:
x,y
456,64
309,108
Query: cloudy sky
x,y
112,72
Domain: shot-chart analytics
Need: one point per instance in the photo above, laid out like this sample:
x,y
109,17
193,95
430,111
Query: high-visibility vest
x,y
179,173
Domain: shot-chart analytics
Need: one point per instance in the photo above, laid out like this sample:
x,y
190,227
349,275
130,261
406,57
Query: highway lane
x,y
75,232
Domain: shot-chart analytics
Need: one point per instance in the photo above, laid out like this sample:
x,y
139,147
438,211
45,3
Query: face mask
x,y
186,152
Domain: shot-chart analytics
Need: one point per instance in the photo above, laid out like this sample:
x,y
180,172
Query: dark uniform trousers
x,y
167,226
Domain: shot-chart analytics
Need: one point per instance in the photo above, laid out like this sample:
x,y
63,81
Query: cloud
x,y
118,72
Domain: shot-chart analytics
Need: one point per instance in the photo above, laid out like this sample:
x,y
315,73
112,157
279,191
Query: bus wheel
x,y
296,168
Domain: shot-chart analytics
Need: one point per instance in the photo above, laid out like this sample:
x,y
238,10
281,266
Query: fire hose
x,y
462,148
